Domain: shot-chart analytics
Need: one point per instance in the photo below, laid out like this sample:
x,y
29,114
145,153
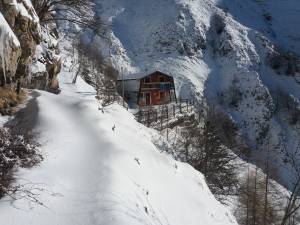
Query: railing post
x,y
148,118
140,116
187,105
174,111
167,125
180,109
161,122
167,111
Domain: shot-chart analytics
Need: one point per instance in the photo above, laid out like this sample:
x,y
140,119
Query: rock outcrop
x,y
10,51
24,23
46,63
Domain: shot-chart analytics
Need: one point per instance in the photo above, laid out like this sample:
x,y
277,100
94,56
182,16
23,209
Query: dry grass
x,y
9,98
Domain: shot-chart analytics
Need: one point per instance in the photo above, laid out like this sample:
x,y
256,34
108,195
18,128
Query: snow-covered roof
x,y
139,75
134,76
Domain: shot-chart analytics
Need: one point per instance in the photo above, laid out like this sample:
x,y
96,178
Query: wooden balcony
x,y
158,85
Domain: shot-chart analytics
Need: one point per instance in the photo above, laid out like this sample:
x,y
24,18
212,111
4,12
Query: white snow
x,y
168,35
23,11
93,174
8,43
282,27
25,8
164,35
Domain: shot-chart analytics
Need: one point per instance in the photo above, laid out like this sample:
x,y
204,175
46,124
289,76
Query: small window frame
x,y
147,80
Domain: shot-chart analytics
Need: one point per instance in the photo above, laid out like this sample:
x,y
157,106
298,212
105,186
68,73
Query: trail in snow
x,y
73,175
94,175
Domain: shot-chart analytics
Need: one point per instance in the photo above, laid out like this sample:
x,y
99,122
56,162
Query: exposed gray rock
x,y
24,23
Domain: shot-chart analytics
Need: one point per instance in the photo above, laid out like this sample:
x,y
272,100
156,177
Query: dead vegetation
x,y
15,151
9,99
258,201
97,72
206,146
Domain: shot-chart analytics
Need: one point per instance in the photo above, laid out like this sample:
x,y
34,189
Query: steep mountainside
x,y
98,165
102,168
218,53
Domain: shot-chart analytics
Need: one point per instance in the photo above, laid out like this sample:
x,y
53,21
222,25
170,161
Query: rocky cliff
x,y
234,55
29,51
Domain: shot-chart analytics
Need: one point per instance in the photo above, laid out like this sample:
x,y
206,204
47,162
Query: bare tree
x,y
92,67
293,203
79,12
211,157
293,199
252,208
185,142
204,147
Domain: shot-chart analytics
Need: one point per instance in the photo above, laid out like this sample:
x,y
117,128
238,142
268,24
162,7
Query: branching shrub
x,y
76,11
204,147
215,161
98,73
15,150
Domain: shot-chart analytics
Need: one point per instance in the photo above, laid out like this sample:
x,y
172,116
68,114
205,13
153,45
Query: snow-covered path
x,y
73,174
93,174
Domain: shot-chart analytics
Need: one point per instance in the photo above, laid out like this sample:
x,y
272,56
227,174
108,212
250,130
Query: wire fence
x,y
161,116
110,97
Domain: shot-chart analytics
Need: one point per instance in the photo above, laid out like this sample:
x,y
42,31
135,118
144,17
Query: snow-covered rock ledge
x,y
32,57
10,51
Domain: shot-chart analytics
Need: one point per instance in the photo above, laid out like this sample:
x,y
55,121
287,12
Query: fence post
x,y
187,105
167,125
174,111
167,111
161,122
148,118
180,109
140,116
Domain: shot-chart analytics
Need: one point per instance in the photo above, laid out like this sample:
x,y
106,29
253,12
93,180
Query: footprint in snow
x,y
137,160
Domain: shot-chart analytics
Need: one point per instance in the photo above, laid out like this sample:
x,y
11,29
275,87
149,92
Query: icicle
x,y
3,46
6,36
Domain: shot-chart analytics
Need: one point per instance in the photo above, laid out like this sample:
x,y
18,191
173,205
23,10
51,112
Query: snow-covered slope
x,y
94,174
277,19
219,51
